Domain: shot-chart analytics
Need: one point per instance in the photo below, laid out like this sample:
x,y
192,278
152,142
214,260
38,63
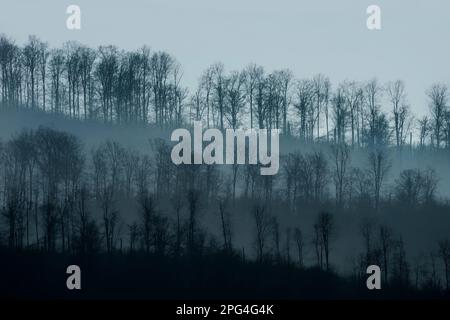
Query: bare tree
x,y
129,158
321,88
193,198
261,107
319,171
106,70
291,167
106,173
372,96
275,226
31,62
251,74
87,238
11,72
438,95
285,81
206,84
424,130
262,224
400,266
287,245
340,115
198,104
341,158
379,165
386,243
225,219
235,98
400,110
367,232
219,86
87,59
148,211
304,93
72,68
326,229
354,98
444,253
317,241
43,59
57,67
299,243
133,234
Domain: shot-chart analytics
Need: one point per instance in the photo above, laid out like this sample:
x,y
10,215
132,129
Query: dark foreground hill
x,y
34,275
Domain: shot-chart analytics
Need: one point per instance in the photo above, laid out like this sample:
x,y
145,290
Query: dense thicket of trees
x,y
57,196
145,87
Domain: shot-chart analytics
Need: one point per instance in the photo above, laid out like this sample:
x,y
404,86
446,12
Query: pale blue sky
x,y
307,36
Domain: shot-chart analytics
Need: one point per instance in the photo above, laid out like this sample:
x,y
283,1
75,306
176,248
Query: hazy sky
x,y
307,36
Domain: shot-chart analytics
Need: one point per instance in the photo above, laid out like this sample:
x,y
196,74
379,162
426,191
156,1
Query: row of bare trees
x,y
383,247
84,83
145,87
47,171
308,177
351,113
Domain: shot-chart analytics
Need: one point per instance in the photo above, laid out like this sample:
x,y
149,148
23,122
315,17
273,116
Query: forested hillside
x,y
86,175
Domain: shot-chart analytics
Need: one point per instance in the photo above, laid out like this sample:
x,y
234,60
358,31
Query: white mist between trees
x,y
190,150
